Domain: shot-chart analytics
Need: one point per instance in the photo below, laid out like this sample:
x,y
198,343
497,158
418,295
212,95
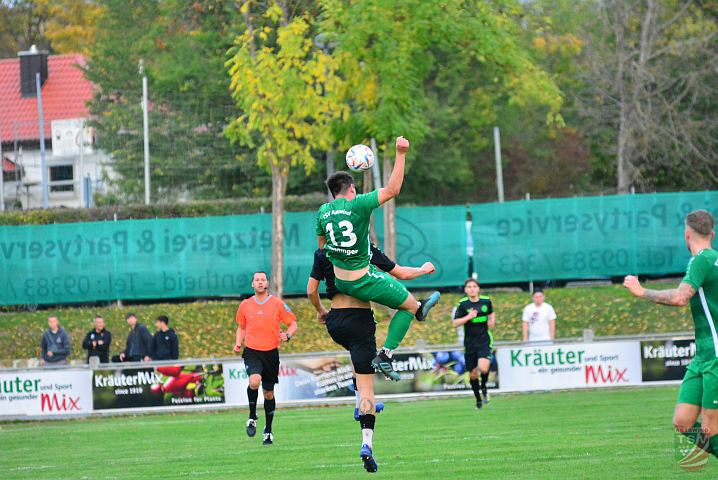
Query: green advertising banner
x,y
569,238
588,237
195,257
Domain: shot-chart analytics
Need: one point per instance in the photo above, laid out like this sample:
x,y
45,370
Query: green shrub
x,y
125,212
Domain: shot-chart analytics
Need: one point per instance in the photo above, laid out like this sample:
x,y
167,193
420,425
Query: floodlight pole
x,y
41,120
146,133
499,167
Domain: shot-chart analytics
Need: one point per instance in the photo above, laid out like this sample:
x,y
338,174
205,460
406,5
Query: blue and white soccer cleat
x,y
426,305
382,363
367,457
379,408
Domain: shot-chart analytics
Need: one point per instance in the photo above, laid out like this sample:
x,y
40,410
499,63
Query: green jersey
x,y
702,275
345,225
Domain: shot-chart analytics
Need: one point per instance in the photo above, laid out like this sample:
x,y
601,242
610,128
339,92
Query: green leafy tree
x,y
437,73
285,89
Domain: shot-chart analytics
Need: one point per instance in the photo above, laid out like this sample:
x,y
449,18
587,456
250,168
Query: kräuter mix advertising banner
x,y
162,386
331,377
550,367
666,360
56,392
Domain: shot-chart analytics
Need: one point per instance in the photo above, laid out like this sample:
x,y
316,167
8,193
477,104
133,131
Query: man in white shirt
x,y
539,320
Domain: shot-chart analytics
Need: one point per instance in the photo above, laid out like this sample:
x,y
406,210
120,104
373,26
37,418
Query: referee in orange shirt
x,y
258,327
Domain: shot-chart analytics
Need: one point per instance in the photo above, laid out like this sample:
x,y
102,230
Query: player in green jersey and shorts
x,y
343,233
698,395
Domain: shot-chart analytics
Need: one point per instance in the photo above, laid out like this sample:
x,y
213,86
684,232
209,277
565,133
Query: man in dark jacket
x,y
55,343
165,344
97,341
139,342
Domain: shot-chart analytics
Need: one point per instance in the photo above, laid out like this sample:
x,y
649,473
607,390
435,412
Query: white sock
x,y
389,353
358,398
366,436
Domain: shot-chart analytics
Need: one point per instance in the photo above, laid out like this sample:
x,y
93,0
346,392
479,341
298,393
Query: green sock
x,y
713,446
696,436
398,326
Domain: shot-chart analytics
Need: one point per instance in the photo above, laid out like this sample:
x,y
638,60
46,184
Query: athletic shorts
x,y
354,329
475,351
264,363
375,286
700,384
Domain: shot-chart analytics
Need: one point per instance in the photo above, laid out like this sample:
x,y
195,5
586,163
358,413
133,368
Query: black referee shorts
x,y
474,351
355,330
263,363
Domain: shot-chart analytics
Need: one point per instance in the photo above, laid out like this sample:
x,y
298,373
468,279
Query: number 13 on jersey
x,y
346,229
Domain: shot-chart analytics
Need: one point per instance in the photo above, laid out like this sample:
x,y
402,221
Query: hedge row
x,y
207,328
194,209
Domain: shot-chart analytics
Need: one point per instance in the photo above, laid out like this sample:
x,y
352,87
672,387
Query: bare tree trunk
x,y
622,165
389,210
279,190
622,162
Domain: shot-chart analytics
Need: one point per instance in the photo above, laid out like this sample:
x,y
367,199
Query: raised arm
x,y
674,297
393,187
410,273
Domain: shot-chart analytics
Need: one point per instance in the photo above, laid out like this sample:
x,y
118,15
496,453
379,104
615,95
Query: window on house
x,y
62,178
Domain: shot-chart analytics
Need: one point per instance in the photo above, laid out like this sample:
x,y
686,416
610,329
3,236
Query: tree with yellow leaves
x,y
285,90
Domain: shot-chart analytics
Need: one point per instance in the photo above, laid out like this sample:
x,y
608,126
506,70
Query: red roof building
x,y
64,96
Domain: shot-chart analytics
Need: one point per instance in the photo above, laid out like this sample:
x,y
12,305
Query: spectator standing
x,y
55,343
165,344
139,342
97,341
539,320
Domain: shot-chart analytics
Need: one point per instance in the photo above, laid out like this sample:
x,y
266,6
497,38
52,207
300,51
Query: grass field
x,y
612,434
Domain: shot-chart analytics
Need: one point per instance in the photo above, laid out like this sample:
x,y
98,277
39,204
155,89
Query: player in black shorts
x,y
476,314
350,323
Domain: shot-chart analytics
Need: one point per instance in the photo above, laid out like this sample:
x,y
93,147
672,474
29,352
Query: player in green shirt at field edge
x,y
699,390
343,232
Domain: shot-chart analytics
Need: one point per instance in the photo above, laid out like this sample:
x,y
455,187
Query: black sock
x,y
484,379
252,396
354,382
475,387
367,421
269,406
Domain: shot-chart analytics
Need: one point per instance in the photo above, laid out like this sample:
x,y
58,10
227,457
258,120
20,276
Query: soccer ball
x,y
360,158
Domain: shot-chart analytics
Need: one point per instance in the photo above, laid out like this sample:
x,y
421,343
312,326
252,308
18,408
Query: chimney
x,y
31,62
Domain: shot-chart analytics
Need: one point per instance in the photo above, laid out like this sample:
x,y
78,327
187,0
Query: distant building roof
x,y
64,96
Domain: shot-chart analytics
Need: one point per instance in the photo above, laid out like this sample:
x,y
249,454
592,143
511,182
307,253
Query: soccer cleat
x,y
251,427
367,457
485,396
479,405
379,408
268,438
382,363
426,305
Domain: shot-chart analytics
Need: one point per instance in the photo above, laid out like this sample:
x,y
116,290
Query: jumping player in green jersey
x,y
343,232
698,395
